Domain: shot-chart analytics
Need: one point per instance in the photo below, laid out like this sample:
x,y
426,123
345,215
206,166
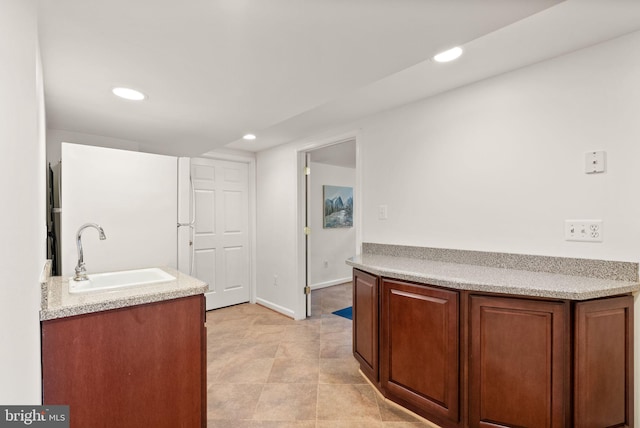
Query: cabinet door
x,y
603,363
365,322
420,357
518,365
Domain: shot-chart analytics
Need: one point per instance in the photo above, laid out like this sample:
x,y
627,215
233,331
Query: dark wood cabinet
x,y
603,363
141,366
518,370
420,355
482,360
365,323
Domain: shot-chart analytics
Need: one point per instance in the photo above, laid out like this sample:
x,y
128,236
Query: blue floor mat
x,y
345,313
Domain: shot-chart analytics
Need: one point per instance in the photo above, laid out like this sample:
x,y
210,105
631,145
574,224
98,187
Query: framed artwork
x,y
338,207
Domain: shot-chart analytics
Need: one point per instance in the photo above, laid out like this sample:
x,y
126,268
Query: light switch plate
x,y
382,212
594,162
583,230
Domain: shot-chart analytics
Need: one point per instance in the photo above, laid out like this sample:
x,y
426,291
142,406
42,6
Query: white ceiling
x,y
286,69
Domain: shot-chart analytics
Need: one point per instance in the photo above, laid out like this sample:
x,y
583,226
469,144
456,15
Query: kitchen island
x,y
128,358
474,339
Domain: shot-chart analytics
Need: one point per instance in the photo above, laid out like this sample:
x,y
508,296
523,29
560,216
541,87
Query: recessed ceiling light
x,y
128,94
249,137
449,55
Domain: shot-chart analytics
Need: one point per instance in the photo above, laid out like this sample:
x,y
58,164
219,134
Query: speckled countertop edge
x,y
604,269
491,279
58,303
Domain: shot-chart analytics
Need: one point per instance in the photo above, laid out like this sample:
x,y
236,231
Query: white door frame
x,y
300,311
249,159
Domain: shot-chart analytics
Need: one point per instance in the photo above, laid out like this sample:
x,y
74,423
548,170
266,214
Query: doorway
x,y
330,215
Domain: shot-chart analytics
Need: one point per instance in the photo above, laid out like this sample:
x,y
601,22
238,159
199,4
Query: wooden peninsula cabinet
x,y
138,366
484,360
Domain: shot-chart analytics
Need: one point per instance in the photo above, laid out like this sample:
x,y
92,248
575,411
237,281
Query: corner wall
x,y
276,226
22,219
493,166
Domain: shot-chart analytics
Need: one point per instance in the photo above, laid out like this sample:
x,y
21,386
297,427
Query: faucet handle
x,y
81,273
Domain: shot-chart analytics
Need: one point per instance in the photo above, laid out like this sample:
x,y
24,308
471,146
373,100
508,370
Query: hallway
x,y
266,370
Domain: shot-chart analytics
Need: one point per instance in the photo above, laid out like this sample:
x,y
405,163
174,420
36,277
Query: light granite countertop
x,y
57,302
491,279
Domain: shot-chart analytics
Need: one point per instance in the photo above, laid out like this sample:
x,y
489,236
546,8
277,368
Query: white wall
x,y
55,138
499,165
132,195
493,166
276,223
333,246
22,219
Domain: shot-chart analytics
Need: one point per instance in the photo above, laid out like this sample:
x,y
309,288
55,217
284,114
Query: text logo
x,y
34,416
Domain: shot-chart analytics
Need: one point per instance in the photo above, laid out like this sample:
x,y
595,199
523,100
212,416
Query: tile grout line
x,y
321,326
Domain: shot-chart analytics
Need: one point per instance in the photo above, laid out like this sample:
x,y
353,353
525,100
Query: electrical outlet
x,y
275,280
583,230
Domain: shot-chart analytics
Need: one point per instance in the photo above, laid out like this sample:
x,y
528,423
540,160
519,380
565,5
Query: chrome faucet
x,y
81,272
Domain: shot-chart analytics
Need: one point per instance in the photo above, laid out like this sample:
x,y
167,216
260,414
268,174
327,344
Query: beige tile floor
x,y
266,370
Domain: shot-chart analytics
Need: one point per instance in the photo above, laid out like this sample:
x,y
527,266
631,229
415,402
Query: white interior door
x,y
221,235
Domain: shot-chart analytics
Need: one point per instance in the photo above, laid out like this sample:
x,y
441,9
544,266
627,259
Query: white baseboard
x,y
330,283
280,309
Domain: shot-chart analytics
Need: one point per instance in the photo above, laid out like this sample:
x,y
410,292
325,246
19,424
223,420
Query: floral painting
x,y
338,206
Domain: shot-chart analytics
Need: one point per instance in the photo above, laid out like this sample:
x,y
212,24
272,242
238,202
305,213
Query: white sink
x,y
122,279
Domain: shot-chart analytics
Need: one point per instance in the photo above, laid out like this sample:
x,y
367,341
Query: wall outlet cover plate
x,y
583,230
